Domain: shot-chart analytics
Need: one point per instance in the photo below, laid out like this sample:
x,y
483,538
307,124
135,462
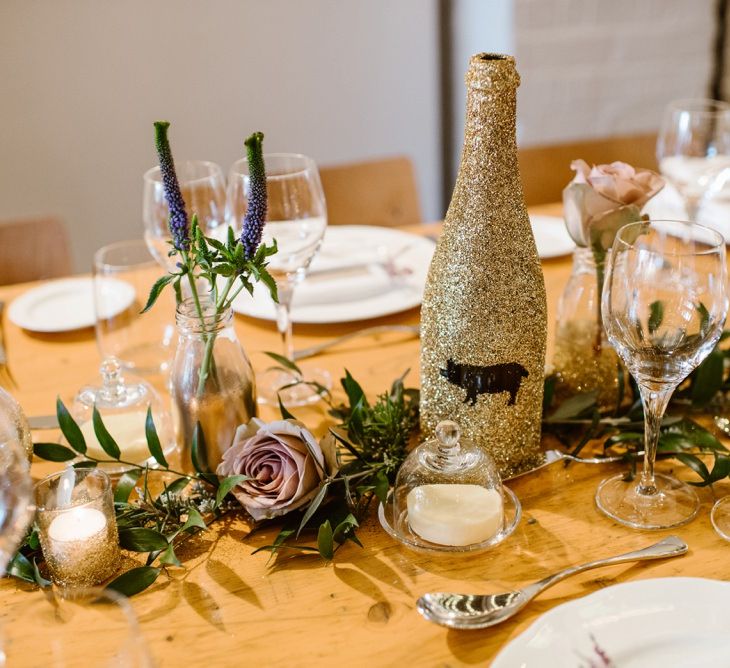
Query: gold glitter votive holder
x,y
77,526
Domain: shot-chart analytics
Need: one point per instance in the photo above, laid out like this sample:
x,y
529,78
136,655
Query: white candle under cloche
x,y
455,514
76,524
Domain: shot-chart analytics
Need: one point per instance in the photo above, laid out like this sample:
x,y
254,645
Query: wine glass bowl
x,y
664,305
204,191
693,148
296,219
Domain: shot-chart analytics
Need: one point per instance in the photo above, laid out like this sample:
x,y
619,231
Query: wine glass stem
x,y
283,320
655,403
692,204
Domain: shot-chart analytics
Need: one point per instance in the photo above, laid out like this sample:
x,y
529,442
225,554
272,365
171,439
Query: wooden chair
x,y
32,249
377,192
546,169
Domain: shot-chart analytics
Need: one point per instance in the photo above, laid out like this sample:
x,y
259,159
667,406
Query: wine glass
x,y
204,191
664,307
16,491
296,219
693,148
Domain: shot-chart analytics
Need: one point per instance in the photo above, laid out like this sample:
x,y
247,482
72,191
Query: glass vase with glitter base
x,y
584,360
483,318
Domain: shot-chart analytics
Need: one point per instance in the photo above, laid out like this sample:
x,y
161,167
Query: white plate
x,y
68,304
551,236
346,283
663,622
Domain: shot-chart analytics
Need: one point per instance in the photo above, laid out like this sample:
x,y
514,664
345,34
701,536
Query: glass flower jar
x,y
211,381
16,420
584,360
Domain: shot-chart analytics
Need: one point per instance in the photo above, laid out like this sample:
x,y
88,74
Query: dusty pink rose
x,y
284,462
598,191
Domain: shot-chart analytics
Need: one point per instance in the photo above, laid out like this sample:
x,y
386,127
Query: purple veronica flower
x,y
253,221
178,222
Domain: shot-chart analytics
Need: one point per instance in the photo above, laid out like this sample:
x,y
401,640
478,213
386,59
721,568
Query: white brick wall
x,y
595,68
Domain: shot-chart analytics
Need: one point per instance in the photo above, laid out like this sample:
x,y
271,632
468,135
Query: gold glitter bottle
x,y
483,318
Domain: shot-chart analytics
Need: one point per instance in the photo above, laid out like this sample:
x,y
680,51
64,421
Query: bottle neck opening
x,y
206,320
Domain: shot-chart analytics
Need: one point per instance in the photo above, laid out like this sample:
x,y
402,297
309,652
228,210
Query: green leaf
x,y
268,280
69,428
548,393
656,316
707,379
355,393
226,485
126,485
381,486
284,362
195,520
285,414
344,528
176,486
134,581
704,318
696,464
198,450
313,505
168,557
21,568
39,579
325,543
574,407
108,444
153,440
53,452
156,291
139,539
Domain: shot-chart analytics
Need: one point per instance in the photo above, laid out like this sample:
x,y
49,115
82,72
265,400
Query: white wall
x,y
82,80
596,68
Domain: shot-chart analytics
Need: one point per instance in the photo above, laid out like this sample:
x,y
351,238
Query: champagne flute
x,y
693,148
296,219
664,307
204,191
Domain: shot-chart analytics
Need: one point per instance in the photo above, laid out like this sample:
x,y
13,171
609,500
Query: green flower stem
x,y
139,466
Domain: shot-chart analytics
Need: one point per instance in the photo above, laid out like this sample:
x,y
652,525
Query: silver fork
x,y
6,378
382,329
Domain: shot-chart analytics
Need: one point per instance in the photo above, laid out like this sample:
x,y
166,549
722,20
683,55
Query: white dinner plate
x,y
657,623
68,304
348,279
551,236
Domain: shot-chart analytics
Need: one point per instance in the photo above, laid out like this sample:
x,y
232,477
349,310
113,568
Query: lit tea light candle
x,y
77,528
455,514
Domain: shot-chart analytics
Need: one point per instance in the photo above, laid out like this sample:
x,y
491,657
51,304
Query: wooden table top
x,y
228,606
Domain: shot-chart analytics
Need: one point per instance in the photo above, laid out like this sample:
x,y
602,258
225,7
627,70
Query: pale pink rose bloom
x,y
597,190
284,462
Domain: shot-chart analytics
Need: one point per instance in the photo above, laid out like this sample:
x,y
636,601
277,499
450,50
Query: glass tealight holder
x,y
448,497
122,405
77,526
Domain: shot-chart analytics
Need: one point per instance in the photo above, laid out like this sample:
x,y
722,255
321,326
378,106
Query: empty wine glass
x,y
296,219
664,307
693,148
204,191
16,491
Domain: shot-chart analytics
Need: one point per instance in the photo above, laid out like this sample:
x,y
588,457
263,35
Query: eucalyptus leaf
x,y
284,362
313,506
126,485
134,581
153,440
70,430
140,539
226,485
53,452
325,542
107,442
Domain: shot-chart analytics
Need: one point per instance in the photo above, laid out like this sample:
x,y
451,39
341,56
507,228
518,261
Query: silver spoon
x,y
464,611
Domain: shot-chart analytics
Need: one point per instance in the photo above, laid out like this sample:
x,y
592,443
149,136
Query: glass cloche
x,y
122,405
448,497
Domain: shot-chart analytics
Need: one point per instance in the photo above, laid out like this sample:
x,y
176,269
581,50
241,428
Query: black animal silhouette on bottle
x,y
492,379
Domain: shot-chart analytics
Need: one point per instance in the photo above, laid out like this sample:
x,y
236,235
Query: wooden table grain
x,y
229,607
